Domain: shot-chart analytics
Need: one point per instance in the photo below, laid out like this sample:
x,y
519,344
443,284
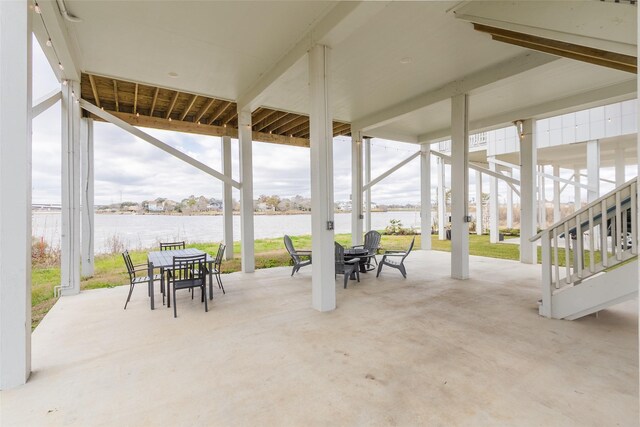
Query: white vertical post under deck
x,y
356,188
593,170
323,283
425,197
88,225
577,190
510,202
493,204
246,192
542,199
459,187
556,194
227,199
367,179
620,166
442,208
479,203
15,193
528,159
70,218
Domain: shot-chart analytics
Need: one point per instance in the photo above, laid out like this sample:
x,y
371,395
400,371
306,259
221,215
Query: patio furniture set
x,y
179,268
352,261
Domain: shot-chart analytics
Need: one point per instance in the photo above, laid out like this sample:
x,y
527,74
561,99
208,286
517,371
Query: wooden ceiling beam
x,y
220,111
135,99
231,117
173,104
283,130
153,103
282,122
94,89
115,94
260,116
587,54
272,119
189,105
204,109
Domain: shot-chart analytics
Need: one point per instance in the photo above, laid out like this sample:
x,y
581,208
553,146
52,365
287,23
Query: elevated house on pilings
x,y
301,73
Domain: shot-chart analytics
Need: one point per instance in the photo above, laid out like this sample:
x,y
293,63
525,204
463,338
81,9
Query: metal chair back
x,y
171,246
372,242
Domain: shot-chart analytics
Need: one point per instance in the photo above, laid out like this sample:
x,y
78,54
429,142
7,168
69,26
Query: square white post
x,y
367,179
15,193
528,159
620,166
479,203
88,224
425,197
356,187
509,202
442,204
542,199
70,219
323,283
556,194
577,190
246,192
459,187
227,199
493,204
593,170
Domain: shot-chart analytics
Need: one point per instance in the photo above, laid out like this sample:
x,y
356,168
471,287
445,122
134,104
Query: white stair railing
x,y
593,239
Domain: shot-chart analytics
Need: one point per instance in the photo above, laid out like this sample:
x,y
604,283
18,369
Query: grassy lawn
x,y
110,270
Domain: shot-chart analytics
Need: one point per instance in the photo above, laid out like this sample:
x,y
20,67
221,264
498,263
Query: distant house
x,y
156,207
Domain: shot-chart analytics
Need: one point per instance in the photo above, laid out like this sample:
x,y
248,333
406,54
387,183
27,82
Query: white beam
x,y
479,203
46,102
493,203
503,163
368,185
323,283
492,74
156,142
356,187
510,192
392,135
565,181
592,98
474,166
442,208
88,225
542,199
620,166
330,22
227,198
459,187
367,179
425,197
593,170
15,193
528,159
556,195
247,245
577,189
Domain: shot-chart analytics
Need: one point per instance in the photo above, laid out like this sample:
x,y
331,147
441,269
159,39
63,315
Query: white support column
x,y
88,225
459,187
15,193
528,161
425,196
593,170
442,203
323,282
479,203
620,166
577,192
367,179
70,219
556,194
542,199
493,204
246,192
510,202
356,188
227,198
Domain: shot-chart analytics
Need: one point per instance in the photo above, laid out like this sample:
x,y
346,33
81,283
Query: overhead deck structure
x,y
408,71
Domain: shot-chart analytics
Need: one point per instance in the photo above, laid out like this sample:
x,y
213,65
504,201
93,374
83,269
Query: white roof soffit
x,y
337,24
491,74
602,25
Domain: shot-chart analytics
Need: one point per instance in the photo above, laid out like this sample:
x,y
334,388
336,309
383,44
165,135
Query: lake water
x,y
145,231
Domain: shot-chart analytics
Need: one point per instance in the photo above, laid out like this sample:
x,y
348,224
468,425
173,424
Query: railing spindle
x,y
567,253
604,250
556,264
577,251
634,219
592,258
618,237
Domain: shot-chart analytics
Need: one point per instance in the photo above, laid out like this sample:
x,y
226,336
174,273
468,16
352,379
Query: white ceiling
x,y
221,49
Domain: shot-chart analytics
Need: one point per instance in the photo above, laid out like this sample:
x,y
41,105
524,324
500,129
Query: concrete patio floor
x,y
428,350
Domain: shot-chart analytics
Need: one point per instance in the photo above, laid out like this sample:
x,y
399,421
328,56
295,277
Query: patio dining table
x,y
361,253
164,260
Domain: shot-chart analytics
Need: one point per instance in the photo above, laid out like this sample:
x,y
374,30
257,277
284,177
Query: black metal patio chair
x,y
188,272
134,279
371,244
299,258
171,246
217,269
346,267
395,259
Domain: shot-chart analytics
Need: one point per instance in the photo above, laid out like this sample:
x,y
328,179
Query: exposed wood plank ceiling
x,y
149,106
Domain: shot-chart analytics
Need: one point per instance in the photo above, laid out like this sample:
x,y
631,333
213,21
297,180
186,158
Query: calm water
x,y
144,231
